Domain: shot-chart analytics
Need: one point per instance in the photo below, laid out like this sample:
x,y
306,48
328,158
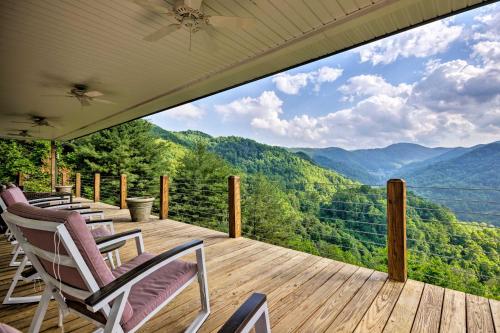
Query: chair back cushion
x,y
13,195
82,238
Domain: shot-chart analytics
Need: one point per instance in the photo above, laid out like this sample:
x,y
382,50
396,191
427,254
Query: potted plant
x,y
64,188
140,208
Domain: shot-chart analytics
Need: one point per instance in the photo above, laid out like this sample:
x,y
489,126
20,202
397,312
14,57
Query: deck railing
x,y
370,229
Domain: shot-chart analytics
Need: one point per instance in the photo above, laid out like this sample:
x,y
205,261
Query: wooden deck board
x,y
428,314
453,316
479,315
305,293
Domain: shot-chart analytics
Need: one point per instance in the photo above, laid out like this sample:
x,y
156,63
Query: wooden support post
x,y
20,179
97,187
234,206
53,165
396,230
123,191
164,197
78,185
64,178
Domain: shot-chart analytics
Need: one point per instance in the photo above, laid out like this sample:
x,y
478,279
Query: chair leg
x,y
17,251
110,259
263,325
61,318
17,276
205,301
117,257
41,310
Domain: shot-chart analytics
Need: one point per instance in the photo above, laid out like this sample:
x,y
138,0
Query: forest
x,y
287,199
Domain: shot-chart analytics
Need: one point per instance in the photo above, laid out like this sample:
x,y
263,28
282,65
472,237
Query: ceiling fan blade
x,y
207,38
104,101
93,94
22,122
153,7
195,4
231,22
162,32
84,101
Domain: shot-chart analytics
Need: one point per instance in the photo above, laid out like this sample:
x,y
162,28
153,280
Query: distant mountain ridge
x,y
465,179
372,166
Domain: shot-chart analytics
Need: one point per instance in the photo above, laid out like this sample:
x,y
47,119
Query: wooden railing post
x,y
78,185
396,230
64,178
20,179
53,165
164,197
234,206
97,187
123,191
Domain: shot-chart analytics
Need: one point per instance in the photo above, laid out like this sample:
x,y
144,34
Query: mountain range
x,y
464,179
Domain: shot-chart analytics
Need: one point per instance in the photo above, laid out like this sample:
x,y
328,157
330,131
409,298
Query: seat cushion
x,y
101,231
4,328
13,195
154,289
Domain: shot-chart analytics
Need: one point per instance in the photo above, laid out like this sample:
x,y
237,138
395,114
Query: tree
x,y
130,148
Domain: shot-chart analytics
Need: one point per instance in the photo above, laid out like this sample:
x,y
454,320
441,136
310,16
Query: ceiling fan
x,y
22,133
36,121
190,16
85,97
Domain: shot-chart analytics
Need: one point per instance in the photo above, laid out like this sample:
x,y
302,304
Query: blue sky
x,y
436,85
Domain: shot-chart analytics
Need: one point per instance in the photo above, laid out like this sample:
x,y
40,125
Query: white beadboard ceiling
x,y
47,45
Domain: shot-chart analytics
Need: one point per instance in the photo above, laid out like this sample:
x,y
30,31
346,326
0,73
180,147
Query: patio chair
x,y
102,230
251,314
14,195
63,251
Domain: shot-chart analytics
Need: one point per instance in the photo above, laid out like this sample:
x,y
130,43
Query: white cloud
x,y
421,42
455,102
187,111
488,27
369,85
292,84
488,51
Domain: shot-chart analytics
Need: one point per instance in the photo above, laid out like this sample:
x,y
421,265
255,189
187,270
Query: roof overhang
x,y
49,45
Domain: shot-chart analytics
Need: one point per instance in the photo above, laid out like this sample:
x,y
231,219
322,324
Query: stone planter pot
x,y
140,208
64,188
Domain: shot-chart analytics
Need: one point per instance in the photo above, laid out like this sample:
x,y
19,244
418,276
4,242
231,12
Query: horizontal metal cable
x,y
471,224
456,188
351,221
349,211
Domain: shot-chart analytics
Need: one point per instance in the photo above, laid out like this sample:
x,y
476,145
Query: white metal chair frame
x,y
117,292
21,265
254,313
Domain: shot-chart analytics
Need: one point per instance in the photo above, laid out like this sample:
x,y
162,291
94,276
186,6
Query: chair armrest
x,y
74,204
242,317
116,287
101,222
119,237
47,201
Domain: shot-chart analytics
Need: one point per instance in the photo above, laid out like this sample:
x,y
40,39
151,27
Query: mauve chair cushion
x,y
4,328
83,239
13,195
100,232
154,289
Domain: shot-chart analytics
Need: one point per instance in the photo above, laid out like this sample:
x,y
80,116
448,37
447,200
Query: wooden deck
x,y
306,293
